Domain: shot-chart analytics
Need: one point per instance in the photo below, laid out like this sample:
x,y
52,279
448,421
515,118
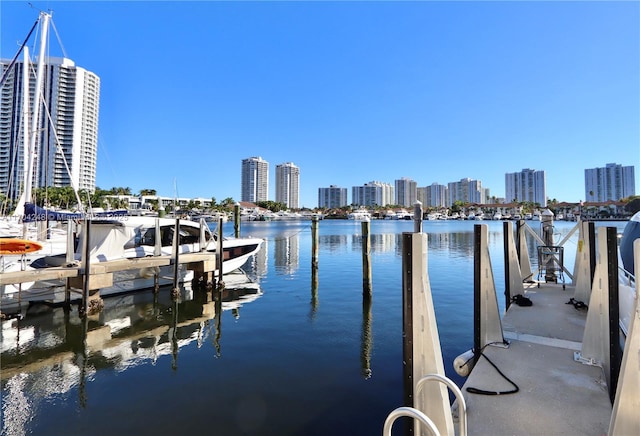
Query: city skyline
x,y
433,91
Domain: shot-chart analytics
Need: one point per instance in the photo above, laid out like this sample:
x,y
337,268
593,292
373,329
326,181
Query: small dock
x,y
557,394
562,359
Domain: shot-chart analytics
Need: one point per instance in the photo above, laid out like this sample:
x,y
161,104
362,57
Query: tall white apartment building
x,y
527,185
466,191
406,192
332,197
255,180
72,97
613,182
288,185
372,194
433,195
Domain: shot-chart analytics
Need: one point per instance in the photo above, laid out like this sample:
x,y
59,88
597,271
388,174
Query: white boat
x,y
359,215
627,284
131,238
497,216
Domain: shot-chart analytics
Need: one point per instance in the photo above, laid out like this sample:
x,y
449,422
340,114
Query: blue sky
x,y
352,91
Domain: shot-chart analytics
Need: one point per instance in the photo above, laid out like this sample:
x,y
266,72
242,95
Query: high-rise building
x,y
527,185
332,197
288,185
372,194
69,114
466,191
255,180
433,196
613,182
406,192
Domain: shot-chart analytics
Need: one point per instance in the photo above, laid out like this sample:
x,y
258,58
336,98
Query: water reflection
x,y
51,352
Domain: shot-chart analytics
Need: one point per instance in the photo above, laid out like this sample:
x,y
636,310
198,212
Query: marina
x,y
288,350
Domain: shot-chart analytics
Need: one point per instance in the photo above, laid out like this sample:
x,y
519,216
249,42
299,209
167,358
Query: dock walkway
x,y
557,395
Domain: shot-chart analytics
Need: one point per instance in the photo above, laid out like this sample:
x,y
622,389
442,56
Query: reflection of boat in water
x,y
54,353
131,330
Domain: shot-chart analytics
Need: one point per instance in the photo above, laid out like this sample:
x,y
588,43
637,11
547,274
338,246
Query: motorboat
x,y
131,238
359,215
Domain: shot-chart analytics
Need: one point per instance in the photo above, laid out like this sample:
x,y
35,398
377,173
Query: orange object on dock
x,y
18,246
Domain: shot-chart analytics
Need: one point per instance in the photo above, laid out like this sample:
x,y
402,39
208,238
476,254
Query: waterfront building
x,y
466,191
433,196
255,180
288,185
72,100
332,197
611,183
527,185
372,194
406,192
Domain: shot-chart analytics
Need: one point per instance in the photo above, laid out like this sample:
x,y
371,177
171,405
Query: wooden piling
x,y
86,264
314,242
176,255
220,252
366,259
236,220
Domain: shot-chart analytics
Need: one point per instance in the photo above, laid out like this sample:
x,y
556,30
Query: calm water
x,y
281,357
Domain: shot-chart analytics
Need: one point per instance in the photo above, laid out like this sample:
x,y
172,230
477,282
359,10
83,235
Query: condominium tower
x,y
255,180
332,197
433,196
406,192
288,185
527,185
67,127
613,182
466,191
372,194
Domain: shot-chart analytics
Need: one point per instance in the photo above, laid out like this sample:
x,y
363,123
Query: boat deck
x,y
557,395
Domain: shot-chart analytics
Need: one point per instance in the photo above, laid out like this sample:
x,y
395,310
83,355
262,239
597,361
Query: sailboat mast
x,y
25,117
36,105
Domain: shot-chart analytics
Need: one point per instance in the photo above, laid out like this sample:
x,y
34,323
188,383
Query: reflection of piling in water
x,y
367,338
314,290
366,259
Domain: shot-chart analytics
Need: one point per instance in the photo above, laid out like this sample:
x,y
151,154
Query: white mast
x,y
36,105
19,210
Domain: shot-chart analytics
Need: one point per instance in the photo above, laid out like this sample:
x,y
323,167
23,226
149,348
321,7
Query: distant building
x,y
527,185
332,197
288,185
406,192
466,191
72,100
372,194
255,180
433,196
613,182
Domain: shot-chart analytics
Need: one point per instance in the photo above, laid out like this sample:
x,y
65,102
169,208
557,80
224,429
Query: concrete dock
x,y
557,395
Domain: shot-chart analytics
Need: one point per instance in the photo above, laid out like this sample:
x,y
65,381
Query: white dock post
x,y
487,324
601,332
417,217
512,276
625,419
582,270
523,252
421,344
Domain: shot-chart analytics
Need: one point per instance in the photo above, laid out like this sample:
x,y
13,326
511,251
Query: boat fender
x,y
463,364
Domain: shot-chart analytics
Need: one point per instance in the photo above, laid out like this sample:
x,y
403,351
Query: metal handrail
x,y
456,392
411,413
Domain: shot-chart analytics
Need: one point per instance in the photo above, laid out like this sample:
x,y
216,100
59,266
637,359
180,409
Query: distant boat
x,y
359,215
497,216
